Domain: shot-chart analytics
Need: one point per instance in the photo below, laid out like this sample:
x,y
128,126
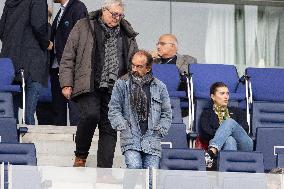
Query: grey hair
x,y
174,38
108,3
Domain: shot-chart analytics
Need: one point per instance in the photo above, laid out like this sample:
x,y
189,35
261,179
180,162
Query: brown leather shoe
x,y
79,162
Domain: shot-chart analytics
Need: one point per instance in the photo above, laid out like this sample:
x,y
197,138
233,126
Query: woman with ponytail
x,y
224,127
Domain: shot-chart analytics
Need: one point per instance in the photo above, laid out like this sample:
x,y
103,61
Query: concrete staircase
x,y
55,146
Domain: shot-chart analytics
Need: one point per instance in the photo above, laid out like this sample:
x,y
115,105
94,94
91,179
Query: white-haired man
x,y
97,53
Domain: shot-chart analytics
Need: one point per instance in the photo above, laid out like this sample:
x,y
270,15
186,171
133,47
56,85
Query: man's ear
x,y
212,97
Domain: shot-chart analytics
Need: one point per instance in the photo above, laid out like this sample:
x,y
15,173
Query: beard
x,y
56,1
135,74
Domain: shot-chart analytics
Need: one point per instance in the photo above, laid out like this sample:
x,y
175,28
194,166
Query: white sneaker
x,y
208,160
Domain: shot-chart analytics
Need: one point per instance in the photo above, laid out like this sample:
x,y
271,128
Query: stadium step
x,y
55,146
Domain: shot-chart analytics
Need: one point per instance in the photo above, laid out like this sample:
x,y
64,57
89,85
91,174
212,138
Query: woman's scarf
x,y
222,112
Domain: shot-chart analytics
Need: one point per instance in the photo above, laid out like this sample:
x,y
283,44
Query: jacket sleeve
x,y
166,113
39,22
68,60
207,128
3,22
133,48
115,115
186,61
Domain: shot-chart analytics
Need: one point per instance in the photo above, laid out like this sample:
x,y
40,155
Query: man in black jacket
x,y
24,36
70,12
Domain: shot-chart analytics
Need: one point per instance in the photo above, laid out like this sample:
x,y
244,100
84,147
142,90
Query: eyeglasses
x,y
163,43
114,15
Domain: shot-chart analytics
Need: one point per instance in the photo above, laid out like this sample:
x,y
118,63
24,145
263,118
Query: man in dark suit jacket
x,y
70,12
24,36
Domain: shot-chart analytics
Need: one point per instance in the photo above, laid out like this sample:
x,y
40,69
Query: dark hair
x,y
148,56
216,85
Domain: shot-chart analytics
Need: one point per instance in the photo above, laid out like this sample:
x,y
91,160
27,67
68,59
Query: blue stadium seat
x,y
169,74
45,95
183,159
236,161
280,160
176,137
7,74
270,141
8,130
267,88
18,154
203,76
176,110
8,124
6,105
44,109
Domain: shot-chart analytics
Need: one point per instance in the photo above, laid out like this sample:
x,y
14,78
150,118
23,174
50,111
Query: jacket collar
x,y
126,79
125,25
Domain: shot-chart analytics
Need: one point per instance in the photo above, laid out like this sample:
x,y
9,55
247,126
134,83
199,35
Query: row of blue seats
x,y
261,93
269,141
11,150
202,76
228,161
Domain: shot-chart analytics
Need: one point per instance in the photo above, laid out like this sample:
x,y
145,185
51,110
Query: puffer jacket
x,y
76,63
125,120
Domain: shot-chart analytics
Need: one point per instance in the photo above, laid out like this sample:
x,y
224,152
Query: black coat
x,y
24,36
209,121
74,11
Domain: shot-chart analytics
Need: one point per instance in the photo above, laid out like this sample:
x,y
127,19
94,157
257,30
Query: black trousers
x,y
94,111
59,103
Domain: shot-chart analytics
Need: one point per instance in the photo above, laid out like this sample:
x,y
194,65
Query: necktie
x,y
60,15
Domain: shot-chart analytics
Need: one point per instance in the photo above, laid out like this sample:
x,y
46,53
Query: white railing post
x,y
24,94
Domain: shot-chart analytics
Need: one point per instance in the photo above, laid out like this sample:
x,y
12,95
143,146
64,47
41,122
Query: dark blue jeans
x,y
33,89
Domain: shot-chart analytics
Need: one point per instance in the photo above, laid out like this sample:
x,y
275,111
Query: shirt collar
x,y
168,60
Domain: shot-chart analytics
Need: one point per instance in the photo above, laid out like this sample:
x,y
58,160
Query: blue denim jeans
x,y
140,160
33,89
231,136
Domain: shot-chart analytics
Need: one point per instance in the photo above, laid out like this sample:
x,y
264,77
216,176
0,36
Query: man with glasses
x,y
96,54
166,53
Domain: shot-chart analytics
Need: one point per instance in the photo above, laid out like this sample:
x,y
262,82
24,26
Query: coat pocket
x,y
126,137
151,143
156,104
